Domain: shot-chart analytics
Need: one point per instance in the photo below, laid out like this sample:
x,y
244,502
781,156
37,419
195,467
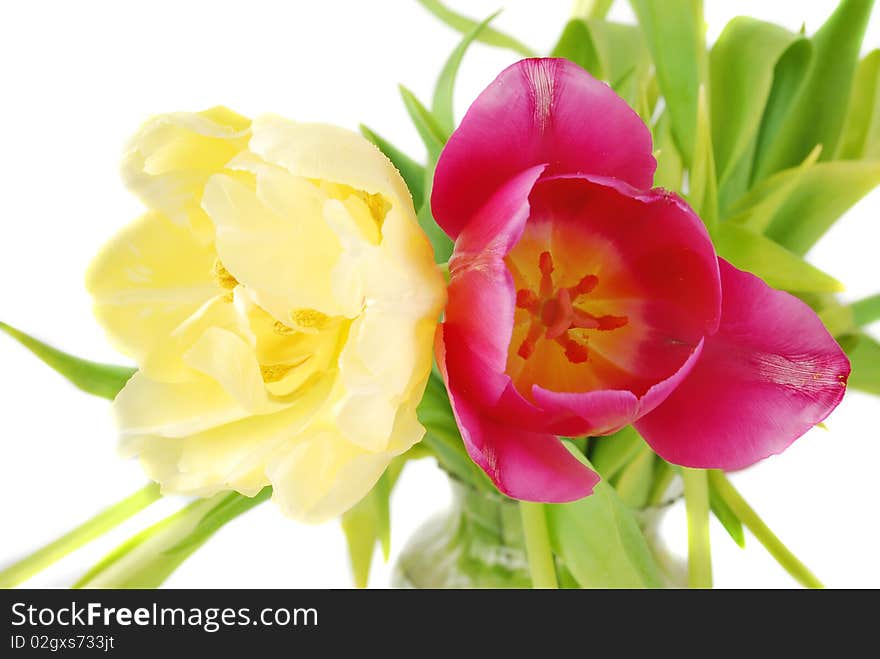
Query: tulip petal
x,y
146,281
538,111
770,373
315,479
327,153
652,265
524,465
168,162
282,220
149,407
229,456
479,314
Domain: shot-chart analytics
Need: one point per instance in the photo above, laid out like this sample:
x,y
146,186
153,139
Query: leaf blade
x,y
600,541
817,113
674,35
773,263
441,105
741,64
104,380
463,24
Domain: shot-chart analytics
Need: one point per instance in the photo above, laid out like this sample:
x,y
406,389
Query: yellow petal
x,y
147,281
328,153
221,456
149,407
166,360
169,160
230,361
322,477
274,240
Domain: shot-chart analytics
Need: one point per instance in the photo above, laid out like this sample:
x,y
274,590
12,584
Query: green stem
x,y
95,527
541,564
696,497
866,310
150,557
762,532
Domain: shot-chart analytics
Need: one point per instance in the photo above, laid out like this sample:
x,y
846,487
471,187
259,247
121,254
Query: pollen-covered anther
x,y
222,277
527,347
584,286
275,372
575,351
309,320
526,299
281,329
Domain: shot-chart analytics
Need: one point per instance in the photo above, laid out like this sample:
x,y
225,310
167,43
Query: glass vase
x,y
478,543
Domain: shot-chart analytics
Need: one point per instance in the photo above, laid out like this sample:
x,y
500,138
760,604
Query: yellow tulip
x,y
281,303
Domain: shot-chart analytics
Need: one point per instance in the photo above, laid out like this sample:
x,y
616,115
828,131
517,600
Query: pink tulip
x,y
582,301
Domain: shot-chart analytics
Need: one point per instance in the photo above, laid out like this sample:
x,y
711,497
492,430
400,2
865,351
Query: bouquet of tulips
x,y
590,300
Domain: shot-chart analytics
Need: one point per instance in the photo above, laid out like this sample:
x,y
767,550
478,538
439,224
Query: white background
x,y
79,77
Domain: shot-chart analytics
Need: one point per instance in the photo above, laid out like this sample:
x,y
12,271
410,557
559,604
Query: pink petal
x,y
658,237
654,265
604,412
523,465
479,314
538,111
771,373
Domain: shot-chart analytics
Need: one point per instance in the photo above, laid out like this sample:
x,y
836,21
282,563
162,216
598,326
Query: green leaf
x,y
440,242
600,541
822,194
757,209
789,77
445,88
576,45
663,475
591,8
635,481
105,380
412,172
741,67
726,516
860,137
670,167
703,193
771,262
368,523
612,453
865,360
674,32
613,52
816,113
866,310
150,557
838,317
464,25
429,130
100,524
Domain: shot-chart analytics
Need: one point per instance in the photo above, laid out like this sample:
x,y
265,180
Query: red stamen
x,y
545,263
559,320
583,319
526,299
575,352
584,286
612,322
527,347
